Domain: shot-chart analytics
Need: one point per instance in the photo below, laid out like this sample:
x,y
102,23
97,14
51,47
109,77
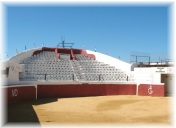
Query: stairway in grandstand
x,y
46,66
98,71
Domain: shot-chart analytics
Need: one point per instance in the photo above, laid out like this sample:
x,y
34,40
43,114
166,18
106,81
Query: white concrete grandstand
x,y
68,65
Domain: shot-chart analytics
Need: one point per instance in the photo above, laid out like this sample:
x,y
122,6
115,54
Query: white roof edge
x,y
24,52
119,64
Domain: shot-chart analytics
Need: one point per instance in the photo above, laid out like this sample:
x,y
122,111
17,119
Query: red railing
x,y
66,51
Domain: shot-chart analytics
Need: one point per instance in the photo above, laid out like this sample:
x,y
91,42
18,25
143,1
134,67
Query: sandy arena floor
x,y
94,110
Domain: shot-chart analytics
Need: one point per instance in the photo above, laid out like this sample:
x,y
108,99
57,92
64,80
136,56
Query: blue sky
x,y
118,30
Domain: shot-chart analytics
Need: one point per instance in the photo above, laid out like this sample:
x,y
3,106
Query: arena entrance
x,y
168,80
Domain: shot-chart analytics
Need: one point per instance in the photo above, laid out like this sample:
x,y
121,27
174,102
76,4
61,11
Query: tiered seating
x,y
82,57
93,70
42,57
45,66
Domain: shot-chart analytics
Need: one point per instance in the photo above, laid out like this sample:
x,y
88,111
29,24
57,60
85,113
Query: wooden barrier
x,y
20,93
25,93
151,90
48,91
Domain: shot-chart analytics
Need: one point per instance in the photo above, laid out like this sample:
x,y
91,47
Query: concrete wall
x,y
159,70
13,75
148,75
15,67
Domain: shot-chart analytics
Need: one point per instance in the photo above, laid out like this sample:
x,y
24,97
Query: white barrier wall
x,y
111,61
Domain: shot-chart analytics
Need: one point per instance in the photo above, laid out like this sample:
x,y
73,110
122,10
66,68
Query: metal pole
x,y
136,59
149,59
45,76
73,77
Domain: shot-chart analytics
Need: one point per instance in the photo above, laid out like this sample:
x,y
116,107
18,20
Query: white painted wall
x,y
142,77
151,74
64,56
111,61
14,69
155,69
23,55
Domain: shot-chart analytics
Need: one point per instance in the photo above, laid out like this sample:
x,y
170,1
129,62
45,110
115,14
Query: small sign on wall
x,y
150,90
161,70
14,92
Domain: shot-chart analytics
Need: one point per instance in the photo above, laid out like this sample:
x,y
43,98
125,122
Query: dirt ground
x,y
94,110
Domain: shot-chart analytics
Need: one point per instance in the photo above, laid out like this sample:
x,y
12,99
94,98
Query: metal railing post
x,y
73,77
45,76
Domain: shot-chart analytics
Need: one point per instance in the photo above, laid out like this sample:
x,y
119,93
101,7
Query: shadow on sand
x,y
23,113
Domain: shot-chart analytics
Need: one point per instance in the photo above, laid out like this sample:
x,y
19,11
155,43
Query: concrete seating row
x,y
46,77
46,63
83,68
48,67
96,71
82,57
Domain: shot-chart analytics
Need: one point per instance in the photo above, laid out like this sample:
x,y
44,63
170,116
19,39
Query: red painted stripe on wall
x,y
45,91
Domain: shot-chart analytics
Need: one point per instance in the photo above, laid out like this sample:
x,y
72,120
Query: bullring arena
x,y
67,86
